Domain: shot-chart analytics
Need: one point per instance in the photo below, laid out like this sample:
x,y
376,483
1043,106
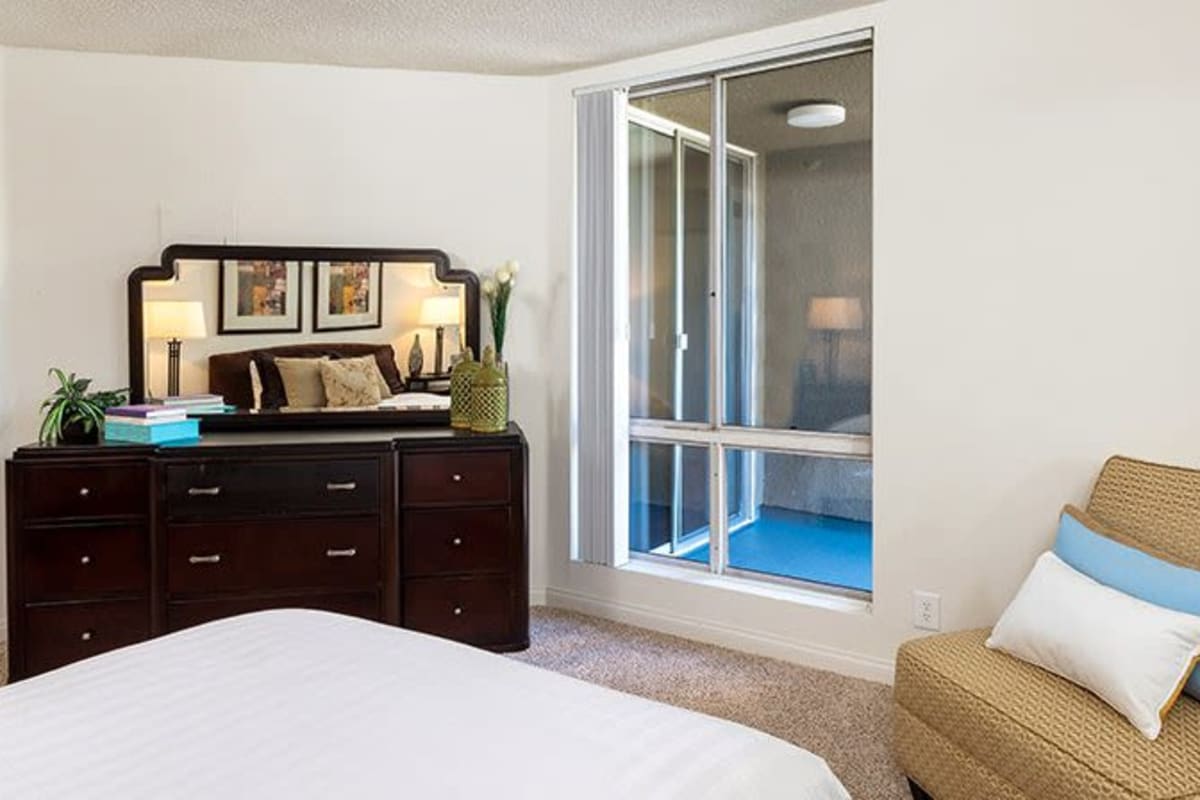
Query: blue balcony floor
x,y
796,544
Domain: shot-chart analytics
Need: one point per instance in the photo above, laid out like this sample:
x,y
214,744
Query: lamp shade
x,y
175,319
441,310
835,313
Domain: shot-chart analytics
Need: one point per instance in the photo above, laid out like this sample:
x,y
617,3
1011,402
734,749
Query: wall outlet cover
x,y
927,611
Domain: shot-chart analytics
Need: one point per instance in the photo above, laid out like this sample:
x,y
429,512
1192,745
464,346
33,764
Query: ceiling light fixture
x,y
816,115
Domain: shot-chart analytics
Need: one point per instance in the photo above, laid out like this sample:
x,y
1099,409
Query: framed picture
x,y
348,295
259,297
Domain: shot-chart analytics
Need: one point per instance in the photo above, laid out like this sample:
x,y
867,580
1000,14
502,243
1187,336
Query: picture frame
x,y
259,296
347,295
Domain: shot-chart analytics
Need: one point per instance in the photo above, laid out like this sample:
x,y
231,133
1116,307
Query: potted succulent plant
x,y
72,414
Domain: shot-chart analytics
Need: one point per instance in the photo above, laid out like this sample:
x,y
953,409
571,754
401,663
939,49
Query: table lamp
x,y
831,316
174,320
438,312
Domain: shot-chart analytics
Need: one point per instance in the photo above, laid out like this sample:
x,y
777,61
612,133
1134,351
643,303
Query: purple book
x,y
146,411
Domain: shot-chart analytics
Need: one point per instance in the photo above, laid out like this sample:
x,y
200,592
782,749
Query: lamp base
x,y
174,347
440,334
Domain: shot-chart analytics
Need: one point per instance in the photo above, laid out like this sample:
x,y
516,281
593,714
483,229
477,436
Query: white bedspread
x,y
304,704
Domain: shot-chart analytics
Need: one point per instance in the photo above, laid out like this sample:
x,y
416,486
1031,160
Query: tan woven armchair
x,y
976,724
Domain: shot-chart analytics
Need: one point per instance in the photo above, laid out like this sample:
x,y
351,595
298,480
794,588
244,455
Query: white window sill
x,y
830,601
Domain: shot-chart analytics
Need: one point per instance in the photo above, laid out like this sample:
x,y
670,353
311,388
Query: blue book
x,y
181,430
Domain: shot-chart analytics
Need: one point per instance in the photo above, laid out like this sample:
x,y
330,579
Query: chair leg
x,y
917,792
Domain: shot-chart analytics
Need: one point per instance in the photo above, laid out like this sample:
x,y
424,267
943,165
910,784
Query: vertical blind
x,y
600,396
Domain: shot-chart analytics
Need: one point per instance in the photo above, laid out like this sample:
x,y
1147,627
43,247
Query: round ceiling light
x,y
816,115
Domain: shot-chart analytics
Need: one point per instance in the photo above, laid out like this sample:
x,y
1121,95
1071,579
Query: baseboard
x,y
537,595
809,654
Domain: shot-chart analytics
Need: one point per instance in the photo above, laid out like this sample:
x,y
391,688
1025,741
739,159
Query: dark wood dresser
x,y
113,544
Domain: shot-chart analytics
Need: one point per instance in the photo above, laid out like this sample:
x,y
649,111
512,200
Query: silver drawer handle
x,y
348,486
86,636
85,560
84,491
215,558
457,478
349,552
458,611
206,491
456,541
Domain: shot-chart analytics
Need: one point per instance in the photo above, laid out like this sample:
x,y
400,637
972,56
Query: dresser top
x,y
382,439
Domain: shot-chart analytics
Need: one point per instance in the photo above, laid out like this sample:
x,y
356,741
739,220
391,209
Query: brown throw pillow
x,y
302,382
385,357
273,393
350,385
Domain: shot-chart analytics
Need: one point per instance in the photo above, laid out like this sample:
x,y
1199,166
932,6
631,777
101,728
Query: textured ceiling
x,y
496,36
756,105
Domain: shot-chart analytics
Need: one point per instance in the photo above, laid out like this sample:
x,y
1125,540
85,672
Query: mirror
x,y
250,325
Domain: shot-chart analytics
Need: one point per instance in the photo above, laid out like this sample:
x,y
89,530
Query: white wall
x,y
109,158
1035,295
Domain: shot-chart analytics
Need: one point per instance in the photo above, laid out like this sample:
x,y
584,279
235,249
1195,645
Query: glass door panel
x,y
810,520
806,327
668,500
652,274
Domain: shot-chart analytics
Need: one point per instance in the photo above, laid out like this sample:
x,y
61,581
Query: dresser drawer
x,y
63,562
457,477
457,540
186,614
244,556
61,634
224,489
73,492
476,610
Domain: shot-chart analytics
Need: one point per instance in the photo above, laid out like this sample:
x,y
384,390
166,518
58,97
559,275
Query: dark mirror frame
x,y
244,420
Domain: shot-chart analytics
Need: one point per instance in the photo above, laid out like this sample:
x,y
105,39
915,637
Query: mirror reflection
x,y
303,335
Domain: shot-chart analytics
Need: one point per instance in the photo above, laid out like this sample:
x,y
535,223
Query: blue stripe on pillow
x,y
1131,571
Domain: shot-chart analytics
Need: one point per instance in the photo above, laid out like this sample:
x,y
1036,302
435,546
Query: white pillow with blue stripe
x,y
1132,654
1087,545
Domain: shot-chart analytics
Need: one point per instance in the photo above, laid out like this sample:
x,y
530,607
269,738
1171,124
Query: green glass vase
x,y
489,397
461,378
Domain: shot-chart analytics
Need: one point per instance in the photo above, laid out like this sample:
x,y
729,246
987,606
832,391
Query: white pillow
x,y
1135,655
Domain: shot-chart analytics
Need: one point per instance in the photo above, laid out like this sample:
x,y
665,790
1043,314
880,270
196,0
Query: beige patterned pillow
x,y
369,368
302,381
348,385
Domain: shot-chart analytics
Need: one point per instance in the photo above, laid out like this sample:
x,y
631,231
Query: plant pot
x,y
74,433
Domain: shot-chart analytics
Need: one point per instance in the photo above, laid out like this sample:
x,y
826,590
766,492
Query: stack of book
x,y
150,424
195,403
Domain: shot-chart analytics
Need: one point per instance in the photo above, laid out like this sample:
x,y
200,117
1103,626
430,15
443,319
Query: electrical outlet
x,y
927,611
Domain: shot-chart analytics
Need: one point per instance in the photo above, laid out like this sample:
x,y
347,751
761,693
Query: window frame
x,y
715,434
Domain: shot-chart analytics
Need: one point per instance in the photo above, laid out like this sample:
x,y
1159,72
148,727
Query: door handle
x,y
204,491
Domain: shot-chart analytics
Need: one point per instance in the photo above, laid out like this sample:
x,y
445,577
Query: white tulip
x,y
489,287
503,275
513,266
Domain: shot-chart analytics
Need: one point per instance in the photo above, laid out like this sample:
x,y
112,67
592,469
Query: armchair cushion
x,y
1020,731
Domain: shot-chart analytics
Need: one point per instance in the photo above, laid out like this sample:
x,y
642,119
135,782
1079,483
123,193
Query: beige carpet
x,y
844,720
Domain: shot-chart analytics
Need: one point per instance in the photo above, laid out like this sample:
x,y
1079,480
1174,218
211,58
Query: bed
x,y
307,704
